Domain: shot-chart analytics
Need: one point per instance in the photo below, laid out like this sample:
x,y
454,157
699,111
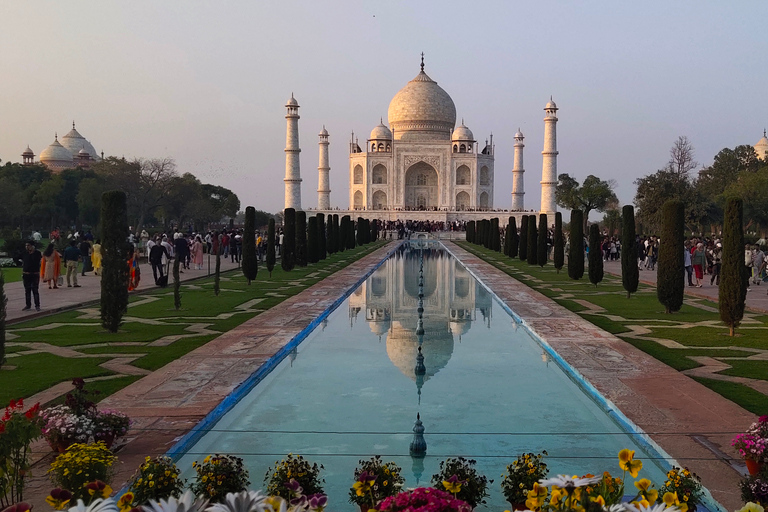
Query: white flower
x,y
245,501
659,507
619,507
569,481
98,505
188,502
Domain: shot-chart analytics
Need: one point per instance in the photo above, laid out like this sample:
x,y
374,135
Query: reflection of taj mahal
x,y
452,300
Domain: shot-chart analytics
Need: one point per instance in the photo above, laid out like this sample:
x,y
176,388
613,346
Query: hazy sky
x,y
206,82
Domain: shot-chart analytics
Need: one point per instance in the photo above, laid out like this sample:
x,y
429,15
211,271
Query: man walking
x,y
30,274
71,257
156,254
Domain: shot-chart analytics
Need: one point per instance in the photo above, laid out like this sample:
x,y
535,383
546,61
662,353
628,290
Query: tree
x,y
217,268
289,240
670,278
559,251
321,240
470,231
533,237
514,244
752,189
349,233
271,246
250,258
508,237
3,313
114,257
593,194
728,164
340,241
301,238
495,235
176,284
524,238
329,236
733,272
612,221
541,249
313,241
630,273
576,245
360,236
595,255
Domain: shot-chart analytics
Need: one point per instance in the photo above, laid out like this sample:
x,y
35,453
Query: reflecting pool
x,y
487,389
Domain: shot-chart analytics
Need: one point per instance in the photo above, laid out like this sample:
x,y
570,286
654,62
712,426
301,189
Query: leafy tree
x,y
301,238
541,250
533,236
3,314
250,262
593,194
670,278
595,255
176,284
733,272
495,235
514,244
508,237
559,250
726,167
612,221
271,246
313,241
289,240
524,238
752,189
321,239
576,245
114,257
630,273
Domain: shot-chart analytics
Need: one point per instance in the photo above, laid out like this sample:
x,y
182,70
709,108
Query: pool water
x,y
350,391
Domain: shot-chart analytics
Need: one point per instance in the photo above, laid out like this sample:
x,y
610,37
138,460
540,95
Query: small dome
x,y
519,134
83,152
292,102
462,133
551,104
323,132
28,152
381,132
56,155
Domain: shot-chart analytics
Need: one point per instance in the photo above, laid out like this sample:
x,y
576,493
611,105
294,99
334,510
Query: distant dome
x,y
74,142
551,104
28,152
422,109
519,134
761,148
381,132
56,156
83,152
323,132
292,102
462,133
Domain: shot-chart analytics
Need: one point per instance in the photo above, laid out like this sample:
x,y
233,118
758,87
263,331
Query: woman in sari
x,y
96,257
134,273
50,267
197,253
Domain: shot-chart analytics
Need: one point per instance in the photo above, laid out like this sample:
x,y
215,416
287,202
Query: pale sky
x,y
206,82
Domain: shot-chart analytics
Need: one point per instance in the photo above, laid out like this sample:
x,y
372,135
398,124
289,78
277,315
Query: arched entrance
x,y
421,188
379,200
484,200
358,200
462,201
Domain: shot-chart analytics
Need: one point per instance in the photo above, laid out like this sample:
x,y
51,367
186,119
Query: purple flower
x,y
318,501
293,486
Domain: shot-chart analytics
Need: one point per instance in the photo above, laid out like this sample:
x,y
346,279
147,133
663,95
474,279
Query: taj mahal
x,y
422,163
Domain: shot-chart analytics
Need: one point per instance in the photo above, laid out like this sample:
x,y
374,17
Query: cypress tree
x,y
329,240
271,246
524,238
495,235
114,255
250,259
559,250
471,231
508,237
301,239
217,269
670,277
576,249
360,235
630,273
514,244
487,235
287,258
3,313
595,255
734,275
349,236
321,239
480,235
341,233
374,231
176,284
533,239
541,250
313,241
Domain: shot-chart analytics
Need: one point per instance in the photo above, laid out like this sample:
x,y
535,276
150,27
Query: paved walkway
x,y
757,297
53,301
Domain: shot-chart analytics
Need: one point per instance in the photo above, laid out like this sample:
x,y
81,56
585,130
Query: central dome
x,y
422,110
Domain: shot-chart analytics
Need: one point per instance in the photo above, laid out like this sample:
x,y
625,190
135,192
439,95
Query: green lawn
x,y
151,317
11,274
696,326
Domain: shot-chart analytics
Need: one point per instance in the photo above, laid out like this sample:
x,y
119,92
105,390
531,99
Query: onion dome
x,y
381,132
56,156
74,142
462,133
422,110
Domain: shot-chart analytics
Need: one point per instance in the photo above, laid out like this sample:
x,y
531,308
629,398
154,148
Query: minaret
x,y
549,167
292,172
323,181
518,189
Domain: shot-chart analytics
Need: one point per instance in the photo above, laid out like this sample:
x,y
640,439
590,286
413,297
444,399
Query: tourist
x,y
717,257
30,275
181,248
96,257
85,252
134,273
698,260
225,244
71,258
687,261
279,243
197,253
156,255
50,266
233,255
758,259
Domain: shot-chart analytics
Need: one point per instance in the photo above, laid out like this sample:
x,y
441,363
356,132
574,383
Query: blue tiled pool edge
x,y
193,436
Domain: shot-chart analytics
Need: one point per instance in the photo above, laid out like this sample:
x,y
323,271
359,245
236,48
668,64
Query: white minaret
x,y
292,172
518,188
323,181
549,167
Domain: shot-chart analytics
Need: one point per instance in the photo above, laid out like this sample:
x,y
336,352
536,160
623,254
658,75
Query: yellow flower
x,y
452,487
643,484
751,507
670,499
125,501
598,499
536,496
556,496
56,504
652,495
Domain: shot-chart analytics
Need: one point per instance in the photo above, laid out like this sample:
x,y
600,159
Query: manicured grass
x,y
152,316
698,329
12,274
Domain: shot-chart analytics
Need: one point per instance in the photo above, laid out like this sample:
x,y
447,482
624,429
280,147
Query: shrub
x,y
733,273
80,465
685,485
271,258
541,249
18,429
559,251
576,249
526,470
297,468
533,236
250,259
595,255
114,255
459,477
156,479
670,278
524,238
630,273
218,475
289,240
375,481
514,244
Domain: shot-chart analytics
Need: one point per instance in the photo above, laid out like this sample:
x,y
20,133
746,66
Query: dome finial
x,y
56,136
763,132
422,62
73,124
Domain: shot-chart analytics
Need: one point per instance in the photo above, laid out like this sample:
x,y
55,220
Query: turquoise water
x,y
349,391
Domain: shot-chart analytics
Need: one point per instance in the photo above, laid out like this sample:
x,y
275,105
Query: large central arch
x,y
421,187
